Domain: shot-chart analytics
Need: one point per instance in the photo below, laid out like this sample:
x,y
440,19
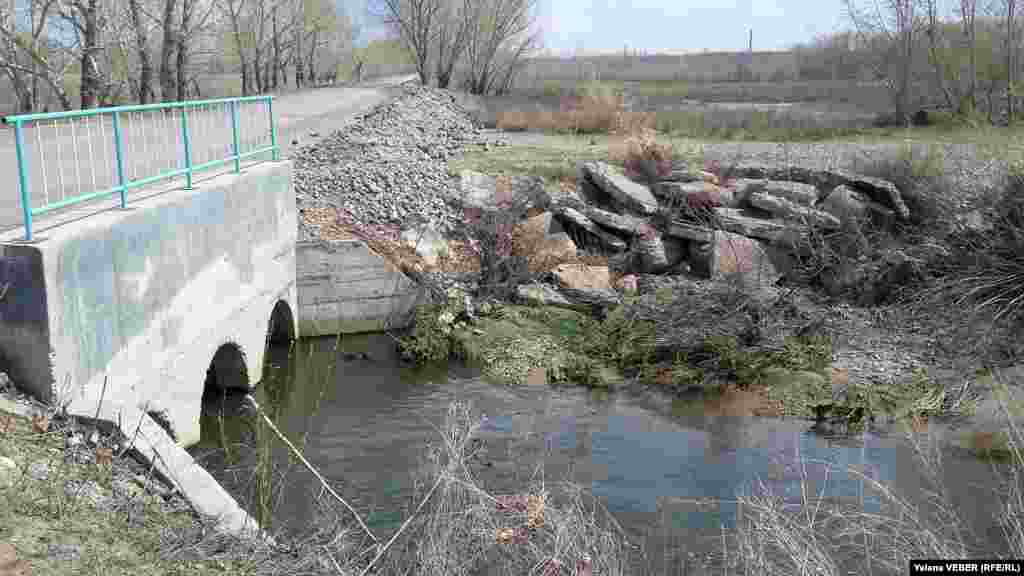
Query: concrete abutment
x,y
155,298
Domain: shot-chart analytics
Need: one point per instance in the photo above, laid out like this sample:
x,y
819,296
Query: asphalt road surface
x,y
69,158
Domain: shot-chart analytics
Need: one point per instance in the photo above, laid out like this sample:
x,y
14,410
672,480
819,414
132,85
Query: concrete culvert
x,y
227,371
282,325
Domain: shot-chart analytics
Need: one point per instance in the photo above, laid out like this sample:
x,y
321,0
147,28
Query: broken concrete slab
x,y
788,210
631,195
773,231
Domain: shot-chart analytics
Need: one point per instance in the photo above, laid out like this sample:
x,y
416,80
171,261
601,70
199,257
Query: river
x,y
365,423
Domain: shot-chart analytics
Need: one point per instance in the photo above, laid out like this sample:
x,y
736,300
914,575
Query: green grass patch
x,y
111,540
990,141
555,161
797,377
749,125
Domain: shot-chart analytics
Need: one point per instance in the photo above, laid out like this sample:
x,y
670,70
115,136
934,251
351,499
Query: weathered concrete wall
x,y
144,297
344,288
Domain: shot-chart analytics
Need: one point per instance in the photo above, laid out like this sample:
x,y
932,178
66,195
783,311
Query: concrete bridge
x,y
141,307
111,310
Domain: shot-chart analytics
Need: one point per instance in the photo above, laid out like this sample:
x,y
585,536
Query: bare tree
x,y
20,81
25,57
167,50
894,21
968,17
455,20
232,11
144,87
86,22
499,27
416,23
936,39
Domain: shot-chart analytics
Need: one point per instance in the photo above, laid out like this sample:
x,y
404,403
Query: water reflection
x,y
364,422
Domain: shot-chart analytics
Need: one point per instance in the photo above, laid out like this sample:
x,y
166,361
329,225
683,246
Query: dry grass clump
x,y
596,109
542,253
458,527
643,157
992,280
981,273
549,529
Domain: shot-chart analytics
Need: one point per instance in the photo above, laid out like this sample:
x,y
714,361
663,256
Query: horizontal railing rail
x,y
72,157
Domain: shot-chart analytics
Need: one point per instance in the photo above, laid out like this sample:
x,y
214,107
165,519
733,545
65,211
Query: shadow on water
x,y
364,420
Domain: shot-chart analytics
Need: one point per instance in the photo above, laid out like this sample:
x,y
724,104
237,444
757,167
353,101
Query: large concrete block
x,y
131,305
345,288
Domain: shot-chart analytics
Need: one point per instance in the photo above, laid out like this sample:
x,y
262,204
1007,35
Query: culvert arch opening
x,y
227,372
281,330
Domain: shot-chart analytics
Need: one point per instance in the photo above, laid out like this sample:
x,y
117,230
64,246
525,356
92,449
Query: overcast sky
x,y
652,25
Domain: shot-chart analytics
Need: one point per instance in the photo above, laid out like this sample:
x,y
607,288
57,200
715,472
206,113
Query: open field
x,y
785,110
705,67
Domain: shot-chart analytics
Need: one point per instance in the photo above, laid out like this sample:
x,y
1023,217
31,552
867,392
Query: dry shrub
x,y
593,116
596,110
502,268
985,274
542,253
632,122
545,121
513,120
644,158
459,259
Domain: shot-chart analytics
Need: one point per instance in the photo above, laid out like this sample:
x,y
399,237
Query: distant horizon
x,y
374,34
549,53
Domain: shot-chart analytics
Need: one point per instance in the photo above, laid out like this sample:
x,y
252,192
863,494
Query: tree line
x,y
961,55
108,52
476,45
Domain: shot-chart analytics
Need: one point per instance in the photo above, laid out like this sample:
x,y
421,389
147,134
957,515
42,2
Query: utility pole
x,y
1010,5
750,56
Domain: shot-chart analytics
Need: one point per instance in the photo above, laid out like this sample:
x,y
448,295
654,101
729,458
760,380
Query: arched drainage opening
x,y
282,326
278,369
227,374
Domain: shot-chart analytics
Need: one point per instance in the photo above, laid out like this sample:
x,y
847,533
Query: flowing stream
x,y
364,423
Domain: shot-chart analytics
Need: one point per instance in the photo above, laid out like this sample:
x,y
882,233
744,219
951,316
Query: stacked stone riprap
x,y
388,167
740,228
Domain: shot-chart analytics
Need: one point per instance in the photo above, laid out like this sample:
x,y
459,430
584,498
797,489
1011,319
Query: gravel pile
x,y
389,166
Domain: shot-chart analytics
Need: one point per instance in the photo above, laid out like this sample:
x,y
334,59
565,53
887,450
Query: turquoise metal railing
x,y
209,133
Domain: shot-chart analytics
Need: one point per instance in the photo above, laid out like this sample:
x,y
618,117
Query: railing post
x,y
275,154
234,136
188,148
119,152
26,196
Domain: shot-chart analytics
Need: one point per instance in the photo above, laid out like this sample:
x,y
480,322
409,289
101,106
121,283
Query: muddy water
x,y
364,424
